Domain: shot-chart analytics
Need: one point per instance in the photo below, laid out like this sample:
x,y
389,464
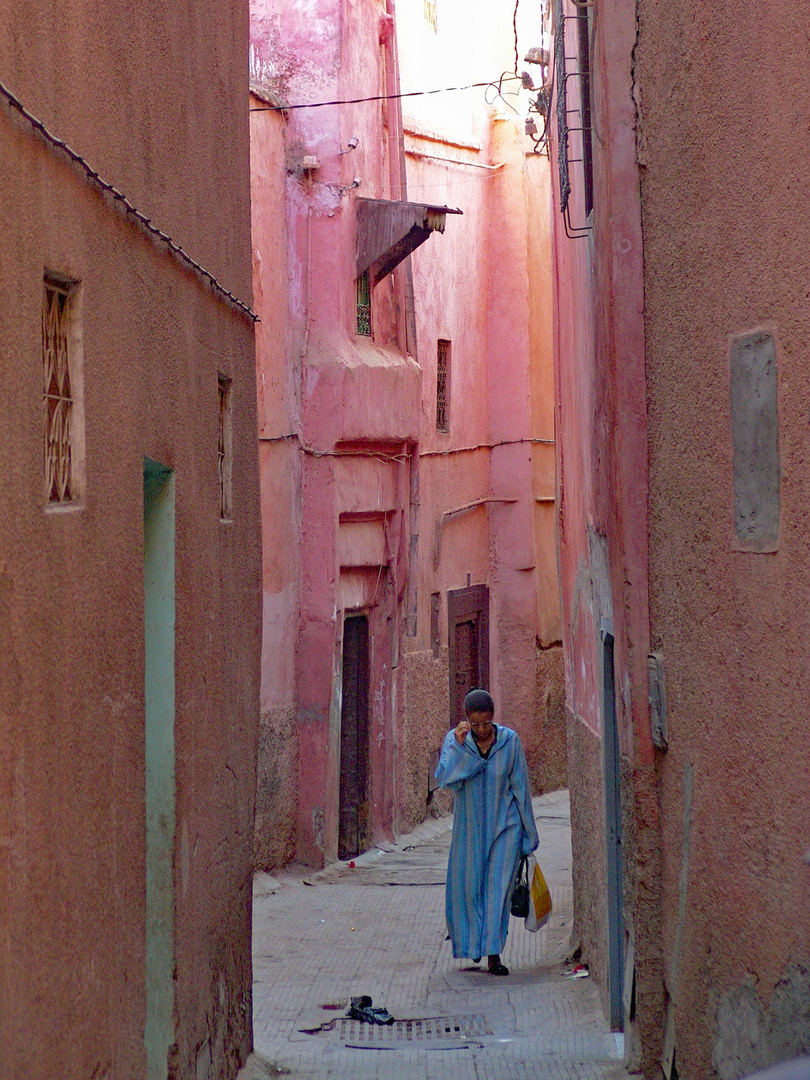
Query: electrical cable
x,y
500,92
381,97
130,209
514,28
541,141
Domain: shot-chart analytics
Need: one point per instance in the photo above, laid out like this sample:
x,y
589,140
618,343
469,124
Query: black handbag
x,y
520,890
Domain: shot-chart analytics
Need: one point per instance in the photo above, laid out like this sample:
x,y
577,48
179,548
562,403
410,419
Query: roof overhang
x,y
388,231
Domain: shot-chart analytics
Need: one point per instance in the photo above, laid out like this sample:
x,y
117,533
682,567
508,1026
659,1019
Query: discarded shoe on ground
x,y
361,1009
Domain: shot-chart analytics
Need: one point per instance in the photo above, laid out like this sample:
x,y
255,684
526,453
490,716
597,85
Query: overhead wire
x,y
385,97
501,93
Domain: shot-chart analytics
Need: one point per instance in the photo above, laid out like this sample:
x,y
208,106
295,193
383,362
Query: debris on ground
x,y
361,1008
316,1021
578,971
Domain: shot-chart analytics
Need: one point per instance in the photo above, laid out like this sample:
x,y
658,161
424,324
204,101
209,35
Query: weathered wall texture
x,y
154,98
487,292
602,499
587,840
426,707
338,418
368,509
280,474
731,624
683,420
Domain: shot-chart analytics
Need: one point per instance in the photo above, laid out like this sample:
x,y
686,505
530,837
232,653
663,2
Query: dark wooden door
x,y
467,673
353,802
468,627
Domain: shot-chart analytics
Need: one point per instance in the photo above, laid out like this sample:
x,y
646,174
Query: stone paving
x,y
378,929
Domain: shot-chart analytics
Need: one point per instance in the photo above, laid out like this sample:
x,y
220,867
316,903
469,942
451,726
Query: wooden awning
x,y
387,232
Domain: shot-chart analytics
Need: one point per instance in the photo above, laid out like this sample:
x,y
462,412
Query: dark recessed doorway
x,y
354,738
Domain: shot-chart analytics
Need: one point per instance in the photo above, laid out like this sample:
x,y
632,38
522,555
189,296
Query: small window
x,y
364,305
225,450
64,435
442,385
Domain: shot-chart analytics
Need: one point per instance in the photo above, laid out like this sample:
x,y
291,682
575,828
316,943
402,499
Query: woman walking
x,y
493,825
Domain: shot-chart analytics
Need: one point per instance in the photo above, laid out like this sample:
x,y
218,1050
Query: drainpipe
x,y
413,571
399,181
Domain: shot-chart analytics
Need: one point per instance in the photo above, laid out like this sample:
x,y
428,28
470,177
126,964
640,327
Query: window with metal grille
x,y
58,392
584,52
442,385
225,450
364,305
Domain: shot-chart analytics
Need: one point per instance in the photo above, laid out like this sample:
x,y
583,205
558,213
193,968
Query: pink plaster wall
x,y
486,291
716,894
602,497
362,416
155,99
726,252
278,391
352,412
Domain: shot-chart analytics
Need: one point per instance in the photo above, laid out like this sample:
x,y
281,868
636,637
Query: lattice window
x,y
431,14
225,450
442,385
364,305
58,401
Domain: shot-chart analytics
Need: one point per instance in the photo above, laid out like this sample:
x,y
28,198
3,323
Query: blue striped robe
x,y
493,825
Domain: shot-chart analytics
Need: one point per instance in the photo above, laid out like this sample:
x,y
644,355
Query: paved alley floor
x,y
378,929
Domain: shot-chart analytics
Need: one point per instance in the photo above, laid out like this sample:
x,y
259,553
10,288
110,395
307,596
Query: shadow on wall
x,y
426,711
549,771
274,837
751,1036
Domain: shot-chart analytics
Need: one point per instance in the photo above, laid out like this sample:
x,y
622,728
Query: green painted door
x,y
159,620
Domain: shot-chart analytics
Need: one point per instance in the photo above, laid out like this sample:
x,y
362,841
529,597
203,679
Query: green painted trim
x,y
159,634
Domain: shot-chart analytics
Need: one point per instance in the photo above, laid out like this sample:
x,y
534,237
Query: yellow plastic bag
x,y
540,898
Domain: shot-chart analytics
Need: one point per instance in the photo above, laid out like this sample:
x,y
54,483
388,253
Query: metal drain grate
x,y
434,1033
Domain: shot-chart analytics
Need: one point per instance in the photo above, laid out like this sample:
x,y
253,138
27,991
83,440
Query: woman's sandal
x,y
496,967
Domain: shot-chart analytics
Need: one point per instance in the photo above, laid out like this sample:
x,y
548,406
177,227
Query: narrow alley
x,y
406,406
378,928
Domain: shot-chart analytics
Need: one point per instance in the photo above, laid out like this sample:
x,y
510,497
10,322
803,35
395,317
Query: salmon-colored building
x,y
680,325
405,425
129,545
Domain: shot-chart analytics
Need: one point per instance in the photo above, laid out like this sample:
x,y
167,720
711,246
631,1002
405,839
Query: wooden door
x,y
354,736
467,674
468,628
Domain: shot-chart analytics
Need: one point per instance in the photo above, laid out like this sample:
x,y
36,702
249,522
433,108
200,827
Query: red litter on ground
x,y
579,971
351,865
